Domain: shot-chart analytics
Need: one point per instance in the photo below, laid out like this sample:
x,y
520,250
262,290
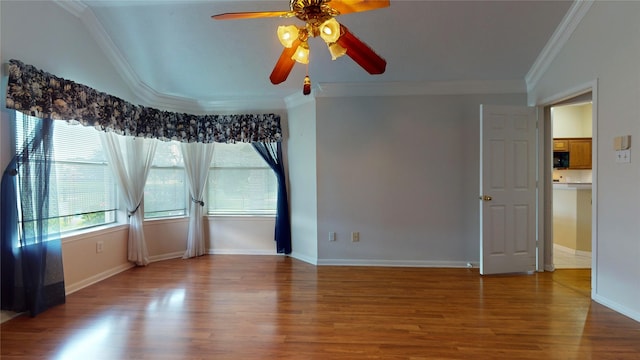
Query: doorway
x,y
570,138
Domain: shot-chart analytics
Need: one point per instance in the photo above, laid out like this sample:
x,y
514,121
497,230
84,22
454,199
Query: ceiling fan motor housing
x,y
313,12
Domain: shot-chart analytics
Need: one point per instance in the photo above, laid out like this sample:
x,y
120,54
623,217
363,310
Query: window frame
x,y
185,182
112,215
240,213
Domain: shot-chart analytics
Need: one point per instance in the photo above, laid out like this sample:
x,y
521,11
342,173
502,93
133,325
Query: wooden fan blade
x,y
251,15
351,6
361,53
285,64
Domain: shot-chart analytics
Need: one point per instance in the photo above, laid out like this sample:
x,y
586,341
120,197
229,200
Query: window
x,y
86,193
240,182
165,193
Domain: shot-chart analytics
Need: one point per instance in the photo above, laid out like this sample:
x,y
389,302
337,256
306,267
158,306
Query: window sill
x,y
166,219
242,216
110,228
91,232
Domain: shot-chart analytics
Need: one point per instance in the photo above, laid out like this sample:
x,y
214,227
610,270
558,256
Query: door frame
x,y
545,194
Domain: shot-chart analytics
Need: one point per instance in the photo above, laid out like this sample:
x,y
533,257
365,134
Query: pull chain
x,y
306,86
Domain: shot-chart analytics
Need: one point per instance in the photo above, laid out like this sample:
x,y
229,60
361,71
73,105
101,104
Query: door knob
x,y
485,198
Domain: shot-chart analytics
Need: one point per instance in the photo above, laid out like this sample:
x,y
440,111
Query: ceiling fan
x,y
319,17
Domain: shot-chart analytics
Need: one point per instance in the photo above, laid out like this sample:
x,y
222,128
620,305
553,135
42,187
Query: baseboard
x,y
304,258
70,289
549,267
241,252
169,256
635,315
569,250
6,315
395,263
583,253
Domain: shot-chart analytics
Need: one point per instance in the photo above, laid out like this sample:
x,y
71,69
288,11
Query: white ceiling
x,y
173,48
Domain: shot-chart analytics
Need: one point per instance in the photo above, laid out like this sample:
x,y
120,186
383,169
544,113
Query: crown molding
x,y
329,90
298,99
148,95
560,36
151,97
76,8
421,88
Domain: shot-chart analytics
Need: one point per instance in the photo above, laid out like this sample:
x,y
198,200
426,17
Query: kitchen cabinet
x,y
579,150
560,145
580,154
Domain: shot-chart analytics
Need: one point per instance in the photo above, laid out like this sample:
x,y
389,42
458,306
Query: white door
x,y
507,189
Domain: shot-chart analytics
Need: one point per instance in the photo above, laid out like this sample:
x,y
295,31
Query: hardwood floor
x,y
271,307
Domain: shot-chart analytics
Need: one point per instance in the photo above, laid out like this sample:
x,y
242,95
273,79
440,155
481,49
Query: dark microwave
x,y
560,159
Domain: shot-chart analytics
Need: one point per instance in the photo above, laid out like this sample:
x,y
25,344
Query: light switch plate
x,y
623,156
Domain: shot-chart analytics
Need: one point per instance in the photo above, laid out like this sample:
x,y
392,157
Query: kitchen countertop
x,y
571,186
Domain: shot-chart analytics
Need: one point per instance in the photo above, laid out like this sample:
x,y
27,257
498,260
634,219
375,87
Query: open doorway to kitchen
x,y
572,139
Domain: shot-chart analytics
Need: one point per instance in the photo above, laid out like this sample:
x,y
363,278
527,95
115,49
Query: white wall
x,y
301,158
249,235
606,46
42,34
166,238
404,173
84,266
571,121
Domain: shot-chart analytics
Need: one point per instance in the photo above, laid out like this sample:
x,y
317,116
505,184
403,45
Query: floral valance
x,y
38,93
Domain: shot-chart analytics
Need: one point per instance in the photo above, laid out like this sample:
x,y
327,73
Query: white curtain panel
x,y
130,159
197,158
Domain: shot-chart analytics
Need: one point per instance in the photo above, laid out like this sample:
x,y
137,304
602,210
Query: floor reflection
x,y
102,339
106,336
173,300
273,308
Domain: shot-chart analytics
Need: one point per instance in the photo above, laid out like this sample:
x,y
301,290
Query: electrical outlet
x,y
355,236
332,236
99,246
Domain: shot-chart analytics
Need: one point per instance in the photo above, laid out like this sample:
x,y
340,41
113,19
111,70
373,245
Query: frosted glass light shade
x,y
330,31
336,50
287,35
302,54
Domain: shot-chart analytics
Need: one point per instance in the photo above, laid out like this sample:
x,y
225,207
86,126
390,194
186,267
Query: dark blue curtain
x,y
272,154
32,274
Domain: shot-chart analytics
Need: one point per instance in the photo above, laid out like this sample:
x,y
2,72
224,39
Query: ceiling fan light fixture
x,y
330,31
302,53
318,16
287,35
336,50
